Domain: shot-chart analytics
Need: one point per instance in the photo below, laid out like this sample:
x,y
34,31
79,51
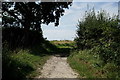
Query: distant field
x,y
64,43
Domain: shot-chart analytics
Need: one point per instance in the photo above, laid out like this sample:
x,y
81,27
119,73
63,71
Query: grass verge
x,y
22,65
90,65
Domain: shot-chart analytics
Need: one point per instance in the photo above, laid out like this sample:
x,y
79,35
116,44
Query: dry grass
x,y
62,42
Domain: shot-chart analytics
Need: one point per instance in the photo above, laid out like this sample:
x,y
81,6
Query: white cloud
x,y
67,11
111,8
79,6
68,23
59,34
0,19
76,6
95,0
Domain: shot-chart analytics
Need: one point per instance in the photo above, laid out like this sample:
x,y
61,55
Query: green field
x,y
64,43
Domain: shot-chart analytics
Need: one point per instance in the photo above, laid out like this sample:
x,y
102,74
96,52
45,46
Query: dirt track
x,y
57,67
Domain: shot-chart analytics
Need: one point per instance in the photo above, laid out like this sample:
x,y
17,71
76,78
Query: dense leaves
x,y
101,33
16,37
21,19
30,15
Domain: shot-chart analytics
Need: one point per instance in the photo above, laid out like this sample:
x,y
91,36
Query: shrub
x,y
101,33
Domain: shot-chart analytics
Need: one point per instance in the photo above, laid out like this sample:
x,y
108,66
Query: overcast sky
x,y
67,28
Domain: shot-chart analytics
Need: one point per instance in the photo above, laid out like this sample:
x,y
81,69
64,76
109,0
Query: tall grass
x,y
90,65
20,64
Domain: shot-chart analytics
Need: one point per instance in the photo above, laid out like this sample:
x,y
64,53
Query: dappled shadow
x,y
17,37
15,70
63,52
45,48
50,49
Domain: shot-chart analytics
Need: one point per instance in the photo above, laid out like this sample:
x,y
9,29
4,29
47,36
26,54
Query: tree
x,y
30,15
27,17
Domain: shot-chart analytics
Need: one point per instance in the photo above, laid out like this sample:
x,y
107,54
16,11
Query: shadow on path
x,y
63,52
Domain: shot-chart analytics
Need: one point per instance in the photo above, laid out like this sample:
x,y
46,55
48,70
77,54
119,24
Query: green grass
x,y
64,44
89,65
20,64
25,58
63,47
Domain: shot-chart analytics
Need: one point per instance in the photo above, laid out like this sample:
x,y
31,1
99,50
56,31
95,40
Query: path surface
x,y
57,67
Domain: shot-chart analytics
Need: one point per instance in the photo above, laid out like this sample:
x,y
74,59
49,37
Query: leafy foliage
x,y
90,65
22,21
16,37
101,33
30,15
19,64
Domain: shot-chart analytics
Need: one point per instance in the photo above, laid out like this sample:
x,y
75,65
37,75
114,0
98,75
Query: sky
x,y
68,23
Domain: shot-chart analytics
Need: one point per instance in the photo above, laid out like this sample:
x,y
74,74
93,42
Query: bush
x,y
90,65
107,54
101,33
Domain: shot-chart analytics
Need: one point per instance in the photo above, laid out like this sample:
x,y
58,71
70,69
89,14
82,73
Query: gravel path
x,y
57,67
